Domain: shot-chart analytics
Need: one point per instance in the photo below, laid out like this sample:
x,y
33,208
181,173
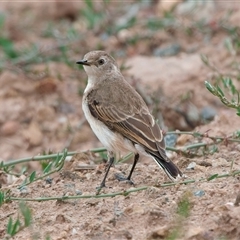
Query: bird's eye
x,y
101,61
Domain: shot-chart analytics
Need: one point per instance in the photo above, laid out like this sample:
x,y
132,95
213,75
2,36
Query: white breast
x,y
111,140
101,131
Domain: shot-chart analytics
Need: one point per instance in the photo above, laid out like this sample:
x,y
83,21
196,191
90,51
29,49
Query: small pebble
x,y
88,176
191,166
74,231
231,204
23,190
199,193
104,36
170,140
69,185
9,128
63,235
78,192
49,180
170,50
208,113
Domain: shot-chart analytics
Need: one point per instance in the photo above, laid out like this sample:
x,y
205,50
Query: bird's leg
x,y
136,157
111,160
121,178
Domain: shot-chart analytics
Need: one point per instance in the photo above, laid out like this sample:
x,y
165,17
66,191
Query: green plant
x,y
223,87
54,165
54,162
6,44
174,234
183,212
91,15
2,198
13,227
183,208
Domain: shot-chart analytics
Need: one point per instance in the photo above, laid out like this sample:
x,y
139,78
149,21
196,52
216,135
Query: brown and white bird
x,y
118,115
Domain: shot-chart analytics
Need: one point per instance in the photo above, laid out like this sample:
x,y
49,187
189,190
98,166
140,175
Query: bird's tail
x,y
169,168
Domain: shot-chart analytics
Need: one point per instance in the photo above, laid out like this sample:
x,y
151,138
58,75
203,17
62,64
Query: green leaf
x,y
229,45
209,87
9,226
8,48
44,164
48,168
212,177
32,176
89,4
23,183
2,198
237,133
220,91
15,227
26,212
214,149
205,60
1,164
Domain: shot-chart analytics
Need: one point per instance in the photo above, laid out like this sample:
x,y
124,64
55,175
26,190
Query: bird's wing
x,y
135,124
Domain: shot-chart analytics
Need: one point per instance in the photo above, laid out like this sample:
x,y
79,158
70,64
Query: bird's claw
x,y
121,178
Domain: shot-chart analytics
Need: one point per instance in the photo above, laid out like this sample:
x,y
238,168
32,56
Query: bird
x,y
119,117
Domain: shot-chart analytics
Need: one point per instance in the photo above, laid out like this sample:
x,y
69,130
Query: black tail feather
x,y
169,167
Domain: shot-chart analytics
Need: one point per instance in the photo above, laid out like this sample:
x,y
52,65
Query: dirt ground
x,y
40,112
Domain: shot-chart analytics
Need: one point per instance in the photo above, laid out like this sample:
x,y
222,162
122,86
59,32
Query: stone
x,y
158,233
208,113
194,232
199,193
166,6
9,128
33,134
170,140
191,166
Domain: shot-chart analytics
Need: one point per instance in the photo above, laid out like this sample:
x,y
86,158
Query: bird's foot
x,y
99,188
121,178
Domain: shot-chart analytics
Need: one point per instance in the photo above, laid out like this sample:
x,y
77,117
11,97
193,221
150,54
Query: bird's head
x,y
98,63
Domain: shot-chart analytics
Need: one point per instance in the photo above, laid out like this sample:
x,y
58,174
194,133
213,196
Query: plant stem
x,y
123,193
216,140
202,135
45,157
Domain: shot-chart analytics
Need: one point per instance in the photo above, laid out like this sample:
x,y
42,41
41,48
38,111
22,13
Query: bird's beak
x,y
83,62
